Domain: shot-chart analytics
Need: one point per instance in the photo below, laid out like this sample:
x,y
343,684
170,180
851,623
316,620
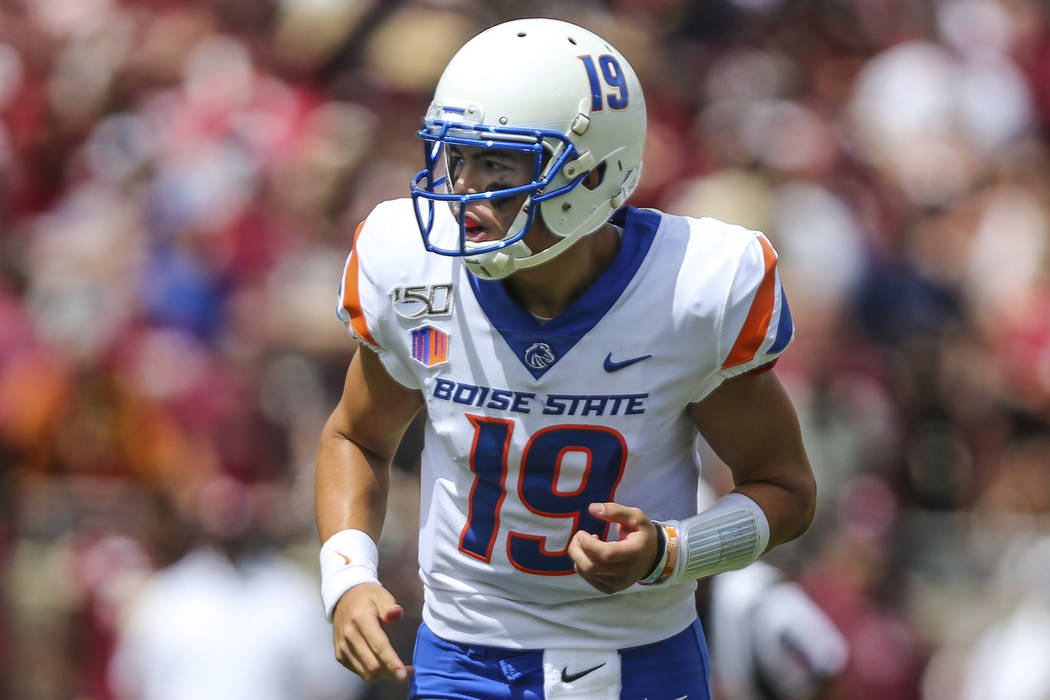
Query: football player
x,y
566,348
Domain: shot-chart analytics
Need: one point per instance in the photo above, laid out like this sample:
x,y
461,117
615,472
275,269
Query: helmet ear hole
x,y
594,178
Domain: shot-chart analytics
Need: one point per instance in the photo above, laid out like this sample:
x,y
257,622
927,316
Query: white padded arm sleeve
x,y
730,535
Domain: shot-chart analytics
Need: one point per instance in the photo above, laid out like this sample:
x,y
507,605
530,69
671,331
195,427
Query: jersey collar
x,y
539,346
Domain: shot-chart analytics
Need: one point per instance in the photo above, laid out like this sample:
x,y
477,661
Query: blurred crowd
x,y
179,182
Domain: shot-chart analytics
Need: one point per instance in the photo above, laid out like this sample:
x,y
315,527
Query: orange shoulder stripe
x,y
351,296
757,322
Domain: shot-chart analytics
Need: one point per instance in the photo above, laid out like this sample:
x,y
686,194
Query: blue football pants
x,y
671,669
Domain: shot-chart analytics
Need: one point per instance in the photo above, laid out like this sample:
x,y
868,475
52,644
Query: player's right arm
x,y
352,477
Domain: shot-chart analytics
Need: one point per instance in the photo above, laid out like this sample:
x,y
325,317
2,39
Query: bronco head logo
x,y
539,356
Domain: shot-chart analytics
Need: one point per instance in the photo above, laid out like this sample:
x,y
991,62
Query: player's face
x,y
473,170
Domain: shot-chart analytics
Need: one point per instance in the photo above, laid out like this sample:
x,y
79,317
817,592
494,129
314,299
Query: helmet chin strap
x,y
499,263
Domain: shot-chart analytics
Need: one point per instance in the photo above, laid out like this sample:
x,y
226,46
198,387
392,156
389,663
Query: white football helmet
x,y
544,87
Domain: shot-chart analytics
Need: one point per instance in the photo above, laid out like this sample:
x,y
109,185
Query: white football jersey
x,y
530,421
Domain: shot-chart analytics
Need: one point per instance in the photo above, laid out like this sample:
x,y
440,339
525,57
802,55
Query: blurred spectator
x,y
852,578
230,619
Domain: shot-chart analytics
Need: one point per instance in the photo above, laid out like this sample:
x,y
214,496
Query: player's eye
x,y
455,165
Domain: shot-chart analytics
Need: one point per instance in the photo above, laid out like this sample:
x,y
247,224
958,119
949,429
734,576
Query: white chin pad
x,y
497,264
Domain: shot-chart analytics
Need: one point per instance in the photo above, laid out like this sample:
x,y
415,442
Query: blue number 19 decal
x,y
614,78
604,455
488,461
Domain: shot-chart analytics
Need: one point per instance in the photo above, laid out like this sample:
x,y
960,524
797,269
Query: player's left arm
x,y
751,424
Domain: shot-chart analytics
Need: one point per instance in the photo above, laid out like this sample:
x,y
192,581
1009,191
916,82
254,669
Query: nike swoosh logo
x,y
345,558
612,365
567,677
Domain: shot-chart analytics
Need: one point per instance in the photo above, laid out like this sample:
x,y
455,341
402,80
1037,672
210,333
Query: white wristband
x,y
729,535
348,558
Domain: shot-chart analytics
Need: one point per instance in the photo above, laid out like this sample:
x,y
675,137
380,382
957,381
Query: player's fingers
x,y
618,513
391,614
379,643
361,643
586,552
354,652
584,563
592,550
372,665
364,648
601,553
391,663
603,577
592,547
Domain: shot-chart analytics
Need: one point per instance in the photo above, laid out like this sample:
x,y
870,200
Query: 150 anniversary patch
x,y
419,300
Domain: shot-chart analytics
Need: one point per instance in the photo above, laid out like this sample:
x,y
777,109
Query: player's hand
x,y
357,629
613,566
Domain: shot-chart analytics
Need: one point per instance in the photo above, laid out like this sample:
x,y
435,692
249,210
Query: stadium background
x,y
179,180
